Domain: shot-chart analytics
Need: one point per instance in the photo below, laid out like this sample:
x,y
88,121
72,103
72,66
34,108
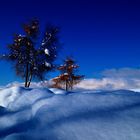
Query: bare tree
x,y
31,58
67,78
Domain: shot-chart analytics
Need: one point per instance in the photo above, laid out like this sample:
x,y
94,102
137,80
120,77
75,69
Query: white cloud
x,y
127,73
113,79
33,84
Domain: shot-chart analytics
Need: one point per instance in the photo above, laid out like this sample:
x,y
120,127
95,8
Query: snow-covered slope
x,y
43,114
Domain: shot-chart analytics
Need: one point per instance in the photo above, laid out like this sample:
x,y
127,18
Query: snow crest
x,y
52,114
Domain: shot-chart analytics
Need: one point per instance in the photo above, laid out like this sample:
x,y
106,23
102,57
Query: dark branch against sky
x,y
100,34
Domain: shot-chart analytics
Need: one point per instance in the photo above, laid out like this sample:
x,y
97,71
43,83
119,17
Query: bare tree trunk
x,y
66,85
71,84
30,79
27,74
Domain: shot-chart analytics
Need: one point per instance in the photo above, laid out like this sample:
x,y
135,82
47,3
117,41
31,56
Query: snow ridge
x,y
80,115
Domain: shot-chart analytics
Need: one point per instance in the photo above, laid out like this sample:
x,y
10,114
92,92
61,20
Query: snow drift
x,y
51,114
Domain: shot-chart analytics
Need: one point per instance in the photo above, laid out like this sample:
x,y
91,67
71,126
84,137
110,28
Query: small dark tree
x,y
31,58
68,76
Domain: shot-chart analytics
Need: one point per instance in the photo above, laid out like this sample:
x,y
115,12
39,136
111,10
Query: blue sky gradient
x,y
99,34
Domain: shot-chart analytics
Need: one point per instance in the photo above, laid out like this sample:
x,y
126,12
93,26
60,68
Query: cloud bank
x,y
111,79
114,79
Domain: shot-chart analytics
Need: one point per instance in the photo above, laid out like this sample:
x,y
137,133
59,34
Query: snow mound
x,y
52,114
57,91
9,94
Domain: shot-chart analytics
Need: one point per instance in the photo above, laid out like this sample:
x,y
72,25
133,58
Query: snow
x,y
41,113
47,64
46,52
57,91
66,73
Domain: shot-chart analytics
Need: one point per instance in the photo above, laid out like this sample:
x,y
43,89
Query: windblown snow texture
x,y
40,114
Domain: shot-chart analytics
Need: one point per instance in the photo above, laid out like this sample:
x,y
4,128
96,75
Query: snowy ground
x,y
51,114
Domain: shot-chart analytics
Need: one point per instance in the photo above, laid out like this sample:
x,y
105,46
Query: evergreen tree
x,y
31,58
67,78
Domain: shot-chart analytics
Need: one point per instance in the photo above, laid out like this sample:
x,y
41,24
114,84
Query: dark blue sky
x,y
100,34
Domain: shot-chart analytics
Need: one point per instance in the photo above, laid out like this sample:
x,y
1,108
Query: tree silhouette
x,y
31,58
67,78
